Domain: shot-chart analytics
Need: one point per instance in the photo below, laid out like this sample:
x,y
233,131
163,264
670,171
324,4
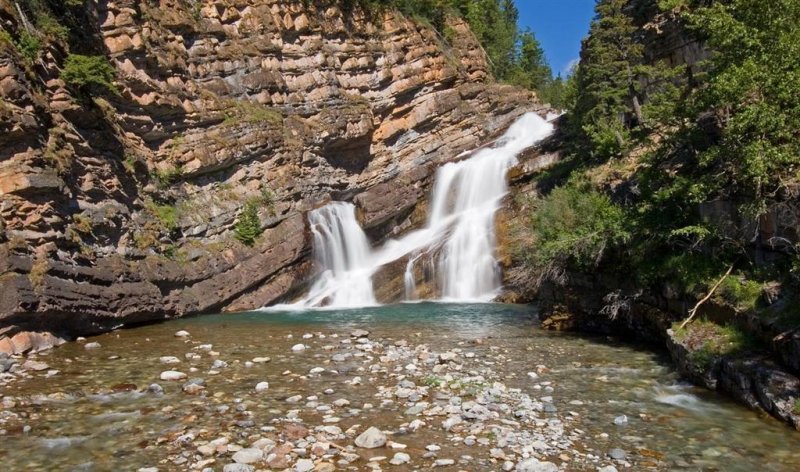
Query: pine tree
x,y
248,226
608,103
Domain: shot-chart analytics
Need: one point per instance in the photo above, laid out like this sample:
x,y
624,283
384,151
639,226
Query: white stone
x,y
172,375
299,347
182,334
262,387
371,438
400,458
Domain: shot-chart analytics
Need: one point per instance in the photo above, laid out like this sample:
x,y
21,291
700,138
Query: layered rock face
x,y
119,208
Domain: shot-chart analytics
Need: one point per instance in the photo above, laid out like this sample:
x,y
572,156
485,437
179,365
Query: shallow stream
x,y
99,411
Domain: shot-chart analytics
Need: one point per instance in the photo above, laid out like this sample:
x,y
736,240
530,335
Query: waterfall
x,y
460,231
341,248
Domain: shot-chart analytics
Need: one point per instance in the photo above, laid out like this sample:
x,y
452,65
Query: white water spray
x,y
460,229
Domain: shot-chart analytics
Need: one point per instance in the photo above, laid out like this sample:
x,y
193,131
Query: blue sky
x,y
559,25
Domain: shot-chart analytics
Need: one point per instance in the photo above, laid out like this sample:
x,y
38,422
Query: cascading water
x,y
342,249
460,229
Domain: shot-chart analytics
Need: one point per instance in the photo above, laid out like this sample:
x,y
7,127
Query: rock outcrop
x,y
119,207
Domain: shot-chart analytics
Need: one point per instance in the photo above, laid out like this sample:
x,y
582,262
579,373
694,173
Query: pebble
x,y
169,360
261,360
262,387
443,462
621,420
92,345
371,438
299,347
359,333
35,365
248,456
617,454
608,468
534,465
304,465
238,468
400,458
172,375
182,334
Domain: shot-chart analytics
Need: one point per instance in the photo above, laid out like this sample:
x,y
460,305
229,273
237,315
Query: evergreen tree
x,y
608,103
753,89
248,226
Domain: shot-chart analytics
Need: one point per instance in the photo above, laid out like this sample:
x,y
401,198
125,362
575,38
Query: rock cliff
x,y
119,208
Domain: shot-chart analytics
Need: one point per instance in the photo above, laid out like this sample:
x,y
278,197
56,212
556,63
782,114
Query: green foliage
x,y
86,72
741,293
166,177
753,79
30,46
167,215
708,341
5,38
576,224
608,87
248,226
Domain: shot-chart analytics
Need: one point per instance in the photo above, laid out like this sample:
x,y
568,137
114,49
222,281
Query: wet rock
x,y
299,347
249,456
608,468
194,386
238,468
35,365
443,462
359,333
621,420
172,375
169,360
617,454
262,387
155,389
295,432
92,345
534,465
400,458
261,360
278,458
371,438
182,334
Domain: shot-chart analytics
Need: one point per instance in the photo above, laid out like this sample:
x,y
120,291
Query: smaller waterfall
x,y
342,250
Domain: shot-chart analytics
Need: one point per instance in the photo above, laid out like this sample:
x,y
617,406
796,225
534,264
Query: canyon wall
x,y
119,207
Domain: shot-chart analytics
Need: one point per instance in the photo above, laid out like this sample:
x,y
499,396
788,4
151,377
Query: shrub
x,y
248,226
576,224
88,71
30,46
167,214
743,294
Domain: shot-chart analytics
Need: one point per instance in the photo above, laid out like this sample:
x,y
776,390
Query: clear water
x,y
93,415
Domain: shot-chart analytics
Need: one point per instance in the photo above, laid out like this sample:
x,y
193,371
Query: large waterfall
x,y
458,241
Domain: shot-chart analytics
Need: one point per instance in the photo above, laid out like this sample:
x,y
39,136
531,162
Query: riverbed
x,y
450,386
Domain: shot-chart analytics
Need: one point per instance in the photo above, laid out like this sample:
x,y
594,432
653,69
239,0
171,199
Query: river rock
x,y
400,458
299,347
262,387
621,420
304,465
371,438
169,360
359,333
443,462
249,456
238,468
35,365
617,454
172,375
182,334
608,468
535,465
92,345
